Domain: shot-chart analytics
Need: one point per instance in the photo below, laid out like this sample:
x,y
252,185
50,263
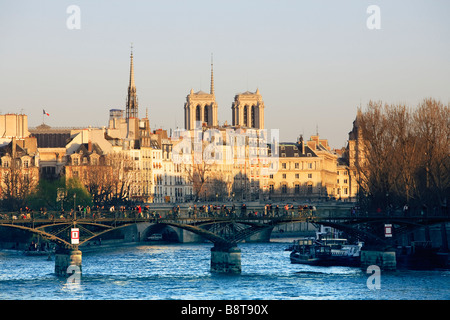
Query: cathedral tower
x,y
201,106
248,110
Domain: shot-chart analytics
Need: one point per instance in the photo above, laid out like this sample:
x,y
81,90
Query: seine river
x,y
181,272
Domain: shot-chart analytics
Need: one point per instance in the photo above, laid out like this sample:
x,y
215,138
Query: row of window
x,y
309,165
297,189
297,176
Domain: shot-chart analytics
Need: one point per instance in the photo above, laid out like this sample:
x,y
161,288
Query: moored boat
x,y
327,252
308,251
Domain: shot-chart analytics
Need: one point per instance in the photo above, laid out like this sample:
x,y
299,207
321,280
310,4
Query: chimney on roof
x,y
90,146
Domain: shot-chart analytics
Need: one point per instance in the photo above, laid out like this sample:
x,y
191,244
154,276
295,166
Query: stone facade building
x,y
239,161
306,171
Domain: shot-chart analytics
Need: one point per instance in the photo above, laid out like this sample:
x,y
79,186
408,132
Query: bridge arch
x,y
365,236
48,236
167,232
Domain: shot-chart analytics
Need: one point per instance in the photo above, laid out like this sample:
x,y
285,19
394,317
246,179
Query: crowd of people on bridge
x,y
145,212
269,210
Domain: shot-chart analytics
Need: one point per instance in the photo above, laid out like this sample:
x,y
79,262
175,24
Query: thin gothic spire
x,y
131,85
132,103
212,76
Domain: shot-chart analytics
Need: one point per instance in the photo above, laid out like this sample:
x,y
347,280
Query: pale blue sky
x,y
314,62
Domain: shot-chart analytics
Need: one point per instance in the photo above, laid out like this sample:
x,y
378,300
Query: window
x,y
284,189
310,165
271,176
283,165
309,175
197,113
284,175
245,115
297,165
253,117
297,176
205,114
271,188
297,189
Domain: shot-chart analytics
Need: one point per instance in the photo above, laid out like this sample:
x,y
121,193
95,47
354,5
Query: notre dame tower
x,y
201,106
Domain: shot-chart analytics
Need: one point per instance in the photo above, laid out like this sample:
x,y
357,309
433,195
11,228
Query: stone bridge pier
x,y
66,257
226,259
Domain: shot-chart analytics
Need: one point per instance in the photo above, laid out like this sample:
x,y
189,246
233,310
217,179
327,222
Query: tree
x,y
432,126
119,178
17,184
404,154
197,174
46,194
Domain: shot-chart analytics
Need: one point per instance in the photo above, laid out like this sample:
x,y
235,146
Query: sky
x,y
314,62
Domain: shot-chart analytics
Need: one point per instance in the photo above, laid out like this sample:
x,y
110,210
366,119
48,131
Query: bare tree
x,y
197,174
18,184
432,126
404,154
119,177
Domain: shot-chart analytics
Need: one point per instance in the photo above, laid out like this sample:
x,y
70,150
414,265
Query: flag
x,y
45,112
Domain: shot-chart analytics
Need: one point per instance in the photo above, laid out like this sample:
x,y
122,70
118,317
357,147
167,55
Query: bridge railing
x,y
153,215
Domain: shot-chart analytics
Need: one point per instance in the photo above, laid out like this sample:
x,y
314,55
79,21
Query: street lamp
x,y
74,205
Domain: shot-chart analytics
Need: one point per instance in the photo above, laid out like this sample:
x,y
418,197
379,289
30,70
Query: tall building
x,y
201,107
248,110
307,170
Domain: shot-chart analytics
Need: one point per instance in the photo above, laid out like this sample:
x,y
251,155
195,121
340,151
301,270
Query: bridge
x,y
224,231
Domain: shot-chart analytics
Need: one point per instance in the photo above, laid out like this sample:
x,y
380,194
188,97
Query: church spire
x,y
132,103
131,84
212,76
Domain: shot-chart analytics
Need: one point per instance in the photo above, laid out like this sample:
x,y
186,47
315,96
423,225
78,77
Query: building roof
x,y
52,139
293,150
85,148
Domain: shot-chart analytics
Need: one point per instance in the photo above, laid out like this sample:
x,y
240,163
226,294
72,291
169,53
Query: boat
x,y
344,254
308,251
325,252
155,237
36,249
38,252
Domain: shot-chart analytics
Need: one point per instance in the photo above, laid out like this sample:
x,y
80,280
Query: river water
x,y
181,271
